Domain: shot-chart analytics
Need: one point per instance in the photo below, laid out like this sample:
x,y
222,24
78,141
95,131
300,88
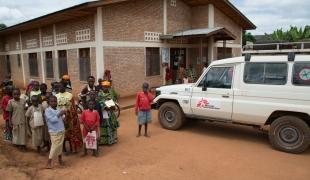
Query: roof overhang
x,y
219,33
227,8
79,10
89,8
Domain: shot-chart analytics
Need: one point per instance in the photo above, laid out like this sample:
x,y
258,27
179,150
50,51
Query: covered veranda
x,y
198,50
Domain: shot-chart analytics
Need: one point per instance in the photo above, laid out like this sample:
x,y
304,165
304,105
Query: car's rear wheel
x,y
171,116
290,134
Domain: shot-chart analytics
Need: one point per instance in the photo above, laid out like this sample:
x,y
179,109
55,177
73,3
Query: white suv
x,y
256,91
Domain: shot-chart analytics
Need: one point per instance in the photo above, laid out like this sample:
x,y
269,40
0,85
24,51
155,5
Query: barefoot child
x,y
143,108
16,108
34,115
91,122
56,128
4,103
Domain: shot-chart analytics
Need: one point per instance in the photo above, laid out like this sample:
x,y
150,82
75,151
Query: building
x,y
135,39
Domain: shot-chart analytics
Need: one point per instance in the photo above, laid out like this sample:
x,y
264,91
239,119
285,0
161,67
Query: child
x,y
91,122
44,101
109,122
4,103
143,108
16,108
34,115
35,89
185,80
56,129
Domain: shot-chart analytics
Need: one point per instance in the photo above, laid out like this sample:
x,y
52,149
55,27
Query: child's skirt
x,y
37,136
144,117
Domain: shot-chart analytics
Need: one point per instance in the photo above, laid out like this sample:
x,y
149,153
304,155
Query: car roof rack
x,y
247,57
291,56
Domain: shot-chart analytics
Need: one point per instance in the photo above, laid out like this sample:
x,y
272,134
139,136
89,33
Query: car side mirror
x,y
205,85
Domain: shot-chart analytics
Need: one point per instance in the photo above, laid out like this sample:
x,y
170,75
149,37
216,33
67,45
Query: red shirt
x,y
4,104
143,101
90,118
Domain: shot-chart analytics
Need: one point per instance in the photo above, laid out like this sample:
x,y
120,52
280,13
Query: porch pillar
x,y
210,49
56,69
22,58
99,47
42,56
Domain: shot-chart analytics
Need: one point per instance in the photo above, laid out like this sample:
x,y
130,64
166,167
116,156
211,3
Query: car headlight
x,y
157,93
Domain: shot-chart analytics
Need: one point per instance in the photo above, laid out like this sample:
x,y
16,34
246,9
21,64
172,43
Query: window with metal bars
x,y
152,61
62,63
84,63
49,67
33,65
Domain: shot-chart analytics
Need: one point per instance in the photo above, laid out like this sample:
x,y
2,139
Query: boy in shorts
x,y
143,108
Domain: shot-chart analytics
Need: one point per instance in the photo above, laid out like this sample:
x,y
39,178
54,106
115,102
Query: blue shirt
x,y
54,123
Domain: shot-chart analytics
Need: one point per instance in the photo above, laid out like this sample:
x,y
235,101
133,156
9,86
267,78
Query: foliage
x,y
292,35
2,26
247,36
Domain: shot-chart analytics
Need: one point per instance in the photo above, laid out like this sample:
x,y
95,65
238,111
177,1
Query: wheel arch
x,y
276,114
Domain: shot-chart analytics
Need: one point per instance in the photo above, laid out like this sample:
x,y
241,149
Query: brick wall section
x,y
28,35
11,40
73,69
179,17
2,64
47,31
17,72
221,20
199,17
27,72
127,21
72,25
2,41
236,52
127,66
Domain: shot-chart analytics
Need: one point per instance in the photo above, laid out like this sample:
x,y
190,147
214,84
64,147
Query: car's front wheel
x,y
290,134
171,116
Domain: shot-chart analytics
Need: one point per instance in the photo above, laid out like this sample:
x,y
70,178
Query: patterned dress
x,y
72,124
108,123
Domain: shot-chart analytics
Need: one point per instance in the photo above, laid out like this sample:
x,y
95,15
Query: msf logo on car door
x,y
209,104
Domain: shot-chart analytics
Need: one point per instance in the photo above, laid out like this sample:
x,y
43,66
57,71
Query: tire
x,y
171,116
289,134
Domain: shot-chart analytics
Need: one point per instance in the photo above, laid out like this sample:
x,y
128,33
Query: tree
x,y
292,35
2,26
247,36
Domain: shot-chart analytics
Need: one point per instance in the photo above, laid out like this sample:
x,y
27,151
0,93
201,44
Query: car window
x,y
218,77
301,74
265,73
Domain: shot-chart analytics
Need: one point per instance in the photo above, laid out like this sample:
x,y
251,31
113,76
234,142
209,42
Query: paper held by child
x,y
38,119
91,140
109,103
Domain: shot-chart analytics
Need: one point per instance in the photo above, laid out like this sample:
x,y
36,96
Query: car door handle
x,y
225,96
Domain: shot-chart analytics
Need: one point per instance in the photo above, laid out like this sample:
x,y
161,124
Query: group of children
x,y
51,118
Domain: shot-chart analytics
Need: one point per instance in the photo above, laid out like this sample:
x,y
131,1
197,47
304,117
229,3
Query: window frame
x,y
286,79
19,64
159,62
293,72
60,73
218,66
37,63
45,65
79,61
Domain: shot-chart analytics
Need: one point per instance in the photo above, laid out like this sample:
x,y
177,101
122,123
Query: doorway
x,y
177,59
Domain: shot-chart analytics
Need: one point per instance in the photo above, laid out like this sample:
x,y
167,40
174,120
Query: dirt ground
x,y
199,151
